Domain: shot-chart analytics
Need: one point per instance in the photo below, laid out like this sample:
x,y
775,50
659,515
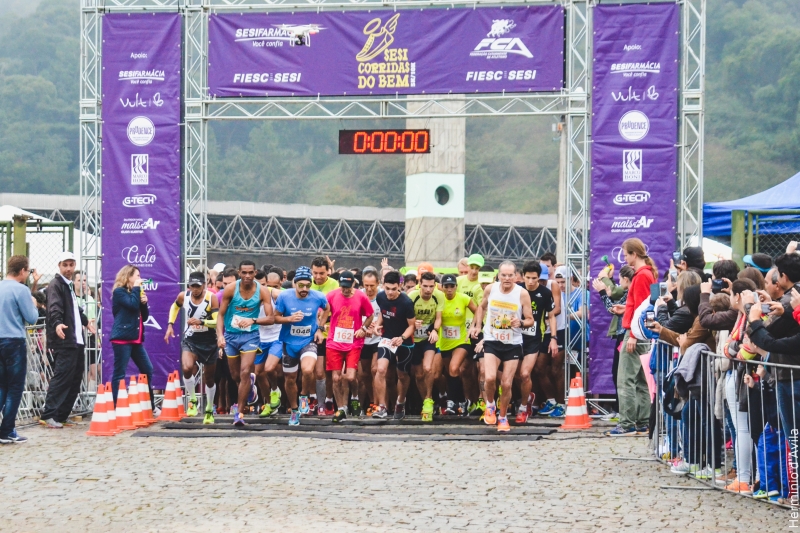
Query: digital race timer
x,y
384,141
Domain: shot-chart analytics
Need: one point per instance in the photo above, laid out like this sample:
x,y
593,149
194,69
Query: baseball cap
x,y
66,256
475,259
425,266
219,267
302,273
196,279
346,279
694,257
485,277
411,273
561,272
761,262
450,279
545,271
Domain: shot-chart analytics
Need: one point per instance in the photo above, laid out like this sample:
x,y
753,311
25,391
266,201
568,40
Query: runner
x,y
226,387
454,341
470,286
427,361
348,330
321,268
507,309
397,323
369,352
543,368
463,266
301,312
199,343
542,304
238,333
269,359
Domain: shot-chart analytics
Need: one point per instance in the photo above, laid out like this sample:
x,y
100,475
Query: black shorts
x,y
401,357
532,344
205,352
420,348
449,353
504,352
472,344
321,348
561,336
368,350
223,371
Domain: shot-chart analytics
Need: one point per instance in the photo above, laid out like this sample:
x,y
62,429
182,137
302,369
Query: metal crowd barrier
x,y
727,431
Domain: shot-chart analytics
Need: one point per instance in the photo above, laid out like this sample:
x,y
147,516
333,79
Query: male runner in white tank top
x,y
507,308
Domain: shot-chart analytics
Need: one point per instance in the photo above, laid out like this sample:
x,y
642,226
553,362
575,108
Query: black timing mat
x,y
282,420
371,437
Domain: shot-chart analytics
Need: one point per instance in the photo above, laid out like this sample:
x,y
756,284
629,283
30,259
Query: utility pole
x,y
20,234
561,230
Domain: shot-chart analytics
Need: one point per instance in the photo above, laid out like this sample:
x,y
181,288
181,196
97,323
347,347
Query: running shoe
x,y
355,407
522,417
329,408
547,408
490,415
304,405
294,418
13,438
502,424
313,407
707,473
371,409
427,410
253,397
557,412
478,407
275,399
266,411
463,408
531,403
209,416
380,412
763,495
620,431
192,410
450,408
682,468
234,410
610,417
238,419
50,423
399,411
643,430
739,486
339,415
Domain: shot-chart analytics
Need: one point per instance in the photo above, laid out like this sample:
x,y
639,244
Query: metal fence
x,y
765,231
733,426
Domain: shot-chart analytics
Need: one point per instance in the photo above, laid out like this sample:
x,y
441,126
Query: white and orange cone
x,y
169,409
124,421
99,426
577,416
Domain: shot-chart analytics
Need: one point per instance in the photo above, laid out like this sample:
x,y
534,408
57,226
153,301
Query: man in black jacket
x,y
64,323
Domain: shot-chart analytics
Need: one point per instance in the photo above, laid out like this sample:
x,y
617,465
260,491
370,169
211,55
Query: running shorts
x,y
532,345
401,357
368,350
269,348
237,343
418,353
336,359
504,352
561,336
204,352
449,353
291,362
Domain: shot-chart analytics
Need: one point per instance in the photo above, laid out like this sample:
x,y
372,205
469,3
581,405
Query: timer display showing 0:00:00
x,y
384,142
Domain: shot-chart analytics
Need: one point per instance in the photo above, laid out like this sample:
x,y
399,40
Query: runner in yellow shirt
x,y
454,343
426,361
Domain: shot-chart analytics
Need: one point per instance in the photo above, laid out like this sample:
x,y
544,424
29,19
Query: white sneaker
x,y
682,468
156,412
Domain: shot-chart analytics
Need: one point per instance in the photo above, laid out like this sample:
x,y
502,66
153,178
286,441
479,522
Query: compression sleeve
x,y
173,312
212,322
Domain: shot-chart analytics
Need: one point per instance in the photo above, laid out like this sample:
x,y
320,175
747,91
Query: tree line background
x,y
752,124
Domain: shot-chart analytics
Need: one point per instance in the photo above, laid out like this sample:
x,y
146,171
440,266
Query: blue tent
x,y
785,195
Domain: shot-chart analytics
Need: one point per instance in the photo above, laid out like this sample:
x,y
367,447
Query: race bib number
x,y
529,331
300,331
421,333
506,336
238,320
451,332
387,343
345,336
198,329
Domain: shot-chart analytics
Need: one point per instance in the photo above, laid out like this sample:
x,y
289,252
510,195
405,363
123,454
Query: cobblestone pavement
x,y
62,480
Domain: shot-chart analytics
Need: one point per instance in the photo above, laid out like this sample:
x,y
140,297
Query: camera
x,y
649,318
673,276
677,257
765,308
717,285
663,289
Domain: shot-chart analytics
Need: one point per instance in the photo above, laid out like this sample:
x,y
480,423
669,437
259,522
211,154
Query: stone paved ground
x,y
62,480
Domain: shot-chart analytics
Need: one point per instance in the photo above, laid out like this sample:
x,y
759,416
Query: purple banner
x,y
141,172
634,152
484,50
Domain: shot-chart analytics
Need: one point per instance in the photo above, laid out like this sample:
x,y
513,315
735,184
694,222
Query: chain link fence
x,y
771,232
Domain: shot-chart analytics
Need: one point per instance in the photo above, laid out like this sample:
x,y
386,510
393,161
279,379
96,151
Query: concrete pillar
x,y
435,189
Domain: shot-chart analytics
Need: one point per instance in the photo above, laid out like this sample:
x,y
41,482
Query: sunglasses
x,y
303,285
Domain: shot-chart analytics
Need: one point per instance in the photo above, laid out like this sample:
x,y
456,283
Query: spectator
x,y
754,275
693,259
17,308
674,317
130,309
64,324
761,262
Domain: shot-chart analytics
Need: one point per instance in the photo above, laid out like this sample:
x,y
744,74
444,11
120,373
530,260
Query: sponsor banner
x,y
483,50
634,153
141,173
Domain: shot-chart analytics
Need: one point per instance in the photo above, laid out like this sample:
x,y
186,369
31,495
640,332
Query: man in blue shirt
x,y
17,307
301,312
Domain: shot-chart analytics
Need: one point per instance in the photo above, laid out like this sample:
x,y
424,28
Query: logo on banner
x,y
630,224
144,258
274,37
619,253
140,169
149,285
151,323
632,198
633,95
631,165
139,200
141,77
138,225
141,131
636,70
633,126
391,67
496,47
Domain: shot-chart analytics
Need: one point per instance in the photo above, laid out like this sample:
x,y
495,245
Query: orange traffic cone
x,y
179,395
136,405
99,425
112,413
577,415
123,413
169,408
144,400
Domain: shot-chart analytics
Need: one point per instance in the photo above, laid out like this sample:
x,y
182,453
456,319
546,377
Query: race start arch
x,y
626,80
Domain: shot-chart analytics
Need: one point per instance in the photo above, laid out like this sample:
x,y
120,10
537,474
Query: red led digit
x,y
391,137
421,142
407,143
377,142
360,137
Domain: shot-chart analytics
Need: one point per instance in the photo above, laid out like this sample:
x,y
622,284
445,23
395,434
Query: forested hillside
x,y
752,125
